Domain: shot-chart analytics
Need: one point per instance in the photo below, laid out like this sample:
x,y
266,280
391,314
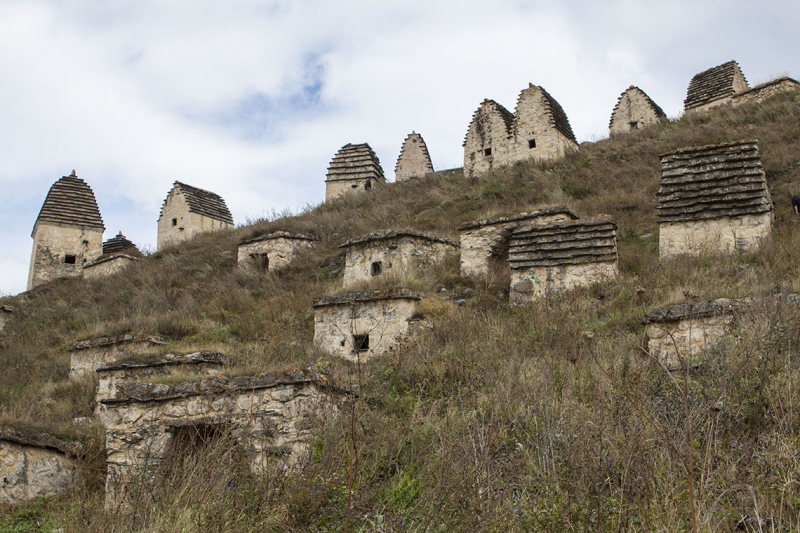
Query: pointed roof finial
x,y
73,175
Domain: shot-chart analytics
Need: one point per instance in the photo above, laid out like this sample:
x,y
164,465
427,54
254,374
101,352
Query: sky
x,y
251,99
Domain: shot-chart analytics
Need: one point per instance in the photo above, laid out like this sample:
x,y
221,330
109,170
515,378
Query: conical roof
x,y
71,201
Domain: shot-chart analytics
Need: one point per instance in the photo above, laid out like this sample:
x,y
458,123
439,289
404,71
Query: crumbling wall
x,y
106,266
392,254
743,234
634,111
489,139
766,90
271,252
272,416
87,356
52,243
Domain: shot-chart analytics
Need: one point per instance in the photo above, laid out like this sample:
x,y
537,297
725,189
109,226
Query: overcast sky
x,y
251,99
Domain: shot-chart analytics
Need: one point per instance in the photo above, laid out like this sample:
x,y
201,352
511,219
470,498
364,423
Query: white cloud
x,y
224,95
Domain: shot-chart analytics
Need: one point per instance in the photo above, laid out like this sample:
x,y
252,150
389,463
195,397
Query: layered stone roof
x,y
119,339
38,439
588,240
71,201
545,211
119,245
713,181
277,235
197,358
551,108
153,392
488,107
388,235
713,84
369,296
355,161
202,202
655,108
414,159
684,311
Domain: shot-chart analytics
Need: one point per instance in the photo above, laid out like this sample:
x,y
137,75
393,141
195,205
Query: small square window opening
x,y
532,143
361,343
174,221
69,259
376,268
487,151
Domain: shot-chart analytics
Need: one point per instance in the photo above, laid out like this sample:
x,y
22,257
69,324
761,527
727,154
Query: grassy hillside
x,y
549,417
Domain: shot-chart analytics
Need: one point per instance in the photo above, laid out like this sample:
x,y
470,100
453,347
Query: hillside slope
x,y
548,417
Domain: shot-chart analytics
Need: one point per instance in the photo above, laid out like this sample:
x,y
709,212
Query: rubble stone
x,y
272,251
634,111
414,160
89,355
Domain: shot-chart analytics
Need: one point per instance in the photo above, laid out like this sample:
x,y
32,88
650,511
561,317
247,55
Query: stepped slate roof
x,y
545,211
713,181
71,201
505,114
202,202
277,235
369,296
588,240
414,141
712,84
119,339
385,235
196,358
558,118
653,106
355,161
118,245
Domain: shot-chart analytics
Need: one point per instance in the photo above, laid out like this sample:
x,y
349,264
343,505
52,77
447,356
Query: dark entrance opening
x,y
532,143
260,261
376,268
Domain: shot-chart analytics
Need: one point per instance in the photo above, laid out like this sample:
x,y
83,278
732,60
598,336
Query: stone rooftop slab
x,y
560,210
39,439
110,257
587,240
390,234
153,392
720,306
71,201
202,202
197,358
712,181
369,296
119,339
713,84
277,235
355,161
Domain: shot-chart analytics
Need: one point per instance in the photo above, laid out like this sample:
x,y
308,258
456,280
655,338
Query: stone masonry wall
x,y
766,90
272,416
634,111
537,282
88,356
397,256
387,322
52,242
414,160
489,139
107,266
742,234
279,251
689,336
535,123
188,224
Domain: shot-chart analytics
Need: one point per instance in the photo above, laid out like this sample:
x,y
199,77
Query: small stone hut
x,y
560,256
272,251
271,415
68,232
715,87
188,211
485,243
118,252
6,312
713,199
634,111
414,160
766,90
392,253
89,355
362,325
355,167
489,138
35,465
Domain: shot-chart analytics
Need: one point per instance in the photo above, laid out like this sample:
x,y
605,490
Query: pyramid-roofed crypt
x,y
71,201
715,85
119,245
414,160
355,167
203,202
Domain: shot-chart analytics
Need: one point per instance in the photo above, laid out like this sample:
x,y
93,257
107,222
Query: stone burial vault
x,y
560,256
272,251
714,87
35,465
713,199
89,355
118,252
634,111
362,325
188,211
538,130
68,232
414,160
354,168
392,253
272,416
485,243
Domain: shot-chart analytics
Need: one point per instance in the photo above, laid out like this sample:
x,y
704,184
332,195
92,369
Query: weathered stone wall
x,y
105,266
743,234
5,314
53,242
337,326
484,244
634,111
766,90
414,160
88,356
272,416
278,250
715,87
541,129
489,139
187,223
32,468
537,282
397,256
